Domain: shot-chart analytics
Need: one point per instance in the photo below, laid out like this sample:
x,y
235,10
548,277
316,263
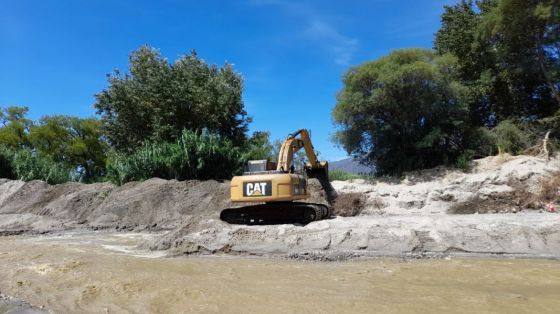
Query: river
x,y
106,273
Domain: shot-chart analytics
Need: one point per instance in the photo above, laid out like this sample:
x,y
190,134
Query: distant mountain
x,y
349,165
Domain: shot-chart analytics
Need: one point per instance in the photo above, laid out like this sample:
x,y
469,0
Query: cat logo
x,y
257,188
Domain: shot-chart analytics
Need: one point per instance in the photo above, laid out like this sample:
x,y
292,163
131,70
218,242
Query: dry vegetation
x,y
518,199
550,189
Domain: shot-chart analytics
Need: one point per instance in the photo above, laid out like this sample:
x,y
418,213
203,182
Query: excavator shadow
x,y
276,213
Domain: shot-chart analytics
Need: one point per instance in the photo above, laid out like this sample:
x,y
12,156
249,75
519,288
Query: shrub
x,y
464,161
483,142
26,165
196,155
341,175
510,138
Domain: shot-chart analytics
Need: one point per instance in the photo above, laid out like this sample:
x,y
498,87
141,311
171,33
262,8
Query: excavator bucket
x,y
322,175
317,173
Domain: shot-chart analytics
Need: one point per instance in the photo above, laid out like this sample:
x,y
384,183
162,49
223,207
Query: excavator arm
x,y
292,145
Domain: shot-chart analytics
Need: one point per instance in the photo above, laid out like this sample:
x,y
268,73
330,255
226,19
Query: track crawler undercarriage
x,y
275,213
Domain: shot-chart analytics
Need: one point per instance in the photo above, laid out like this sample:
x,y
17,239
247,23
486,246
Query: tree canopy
x,y
492,81
73,141
403,111
156,100
60,147
15,126
509,56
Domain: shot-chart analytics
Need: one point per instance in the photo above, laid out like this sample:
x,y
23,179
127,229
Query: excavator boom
x,y
293,144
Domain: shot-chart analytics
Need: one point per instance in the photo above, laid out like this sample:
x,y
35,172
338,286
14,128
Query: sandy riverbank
x,y
101,272
501,211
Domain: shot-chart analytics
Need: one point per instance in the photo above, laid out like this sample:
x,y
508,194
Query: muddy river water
x,y
104,273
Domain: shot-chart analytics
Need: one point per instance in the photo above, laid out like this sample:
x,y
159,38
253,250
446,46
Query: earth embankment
x,y
499,207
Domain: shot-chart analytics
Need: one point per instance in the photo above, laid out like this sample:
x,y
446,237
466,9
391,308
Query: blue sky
x,y
54,55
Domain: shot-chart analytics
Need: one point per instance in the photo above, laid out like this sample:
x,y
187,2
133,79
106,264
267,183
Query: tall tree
x,y
508,52
490,99
526,34
77,143
404,111
156,100
15,125
259,147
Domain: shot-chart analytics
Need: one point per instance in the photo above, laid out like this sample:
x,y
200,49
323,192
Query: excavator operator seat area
x,y
259,166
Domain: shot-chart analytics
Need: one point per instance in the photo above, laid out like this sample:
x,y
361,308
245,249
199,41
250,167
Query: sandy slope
x,y
401,216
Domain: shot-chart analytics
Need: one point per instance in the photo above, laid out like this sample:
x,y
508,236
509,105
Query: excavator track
x,y
275,213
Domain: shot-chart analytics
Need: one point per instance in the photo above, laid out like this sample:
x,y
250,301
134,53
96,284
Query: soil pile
x,y
153,204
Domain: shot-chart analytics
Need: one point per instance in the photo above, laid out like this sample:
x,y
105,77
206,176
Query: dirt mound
x,y
153,204
349,204
521,197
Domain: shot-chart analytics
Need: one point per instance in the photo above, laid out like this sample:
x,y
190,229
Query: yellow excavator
x,y
277,187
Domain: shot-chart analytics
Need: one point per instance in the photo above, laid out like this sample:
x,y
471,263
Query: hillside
x,y
350,165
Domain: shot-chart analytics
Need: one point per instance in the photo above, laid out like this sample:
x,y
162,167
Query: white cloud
x,y
340,46
316,28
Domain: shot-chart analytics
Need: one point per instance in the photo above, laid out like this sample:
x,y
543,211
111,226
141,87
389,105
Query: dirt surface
x,y
395,217
154,204
10,305
102,272
506,183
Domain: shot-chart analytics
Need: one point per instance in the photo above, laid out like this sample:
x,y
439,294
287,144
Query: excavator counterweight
x,y
276,186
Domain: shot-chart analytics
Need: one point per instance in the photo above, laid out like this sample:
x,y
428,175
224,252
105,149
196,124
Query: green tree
x,y
156,100
404,111
508,52
15,125
258,147
78,143
527,40
457,35
490,96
